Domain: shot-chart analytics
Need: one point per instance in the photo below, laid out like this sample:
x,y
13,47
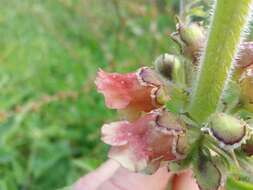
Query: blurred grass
x,y
50,51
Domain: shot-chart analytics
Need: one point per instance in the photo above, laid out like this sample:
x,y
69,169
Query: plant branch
x,y
181,8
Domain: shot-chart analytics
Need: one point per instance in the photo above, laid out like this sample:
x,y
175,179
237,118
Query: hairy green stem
x,y
228,23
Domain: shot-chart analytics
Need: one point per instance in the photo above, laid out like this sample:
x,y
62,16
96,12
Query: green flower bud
x,y
229,131
170,67
193,37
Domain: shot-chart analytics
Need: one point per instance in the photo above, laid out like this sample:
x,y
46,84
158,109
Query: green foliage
x,y
233,184
50,51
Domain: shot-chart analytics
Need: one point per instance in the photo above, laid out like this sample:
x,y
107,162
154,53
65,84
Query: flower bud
x,y
229,131
193,38
170,67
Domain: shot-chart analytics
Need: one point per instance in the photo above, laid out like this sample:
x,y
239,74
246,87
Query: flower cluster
x,y
156,129
150,135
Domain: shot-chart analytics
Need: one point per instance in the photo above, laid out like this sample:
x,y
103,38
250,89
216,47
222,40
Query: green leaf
x,y
233,184
207,174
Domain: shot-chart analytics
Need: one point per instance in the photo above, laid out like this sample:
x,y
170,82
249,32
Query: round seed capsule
x,y
229,131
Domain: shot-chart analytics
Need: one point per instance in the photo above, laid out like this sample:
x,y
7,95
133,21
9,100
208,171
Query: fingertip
x,y
184,180
94,179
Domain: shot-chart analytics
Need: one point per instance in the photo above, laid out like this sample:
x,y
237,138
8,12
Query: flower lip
x,y
148,77
168,123
133,93
110,131
114,88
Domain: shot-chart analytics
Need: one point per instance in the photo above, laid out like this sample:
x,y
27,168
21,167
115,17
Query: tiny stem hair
x,y
227,29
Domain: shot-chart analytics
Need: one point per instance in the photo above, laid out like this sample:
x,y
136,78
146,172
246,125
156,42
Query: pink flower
x,y
145,143
132,92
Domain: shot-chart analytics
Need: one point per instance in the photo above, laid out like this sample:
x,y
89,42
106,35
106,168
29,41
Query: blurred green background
x,y
50,50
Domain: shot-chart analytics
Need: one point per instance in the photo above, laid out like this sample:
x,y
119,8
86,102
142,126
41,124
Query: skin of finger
x,y
184,180
93,180
125,180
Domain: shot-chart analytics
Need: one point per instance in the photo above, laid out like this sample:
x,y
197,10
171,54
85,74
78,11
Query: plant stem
x,y
225,34
181,9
